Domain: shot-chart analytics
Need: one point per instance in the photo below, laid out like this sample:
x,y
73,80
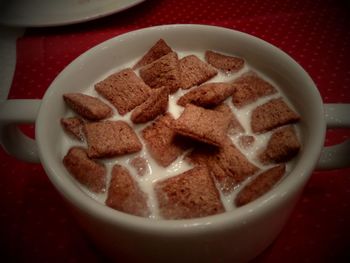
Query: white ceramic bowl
x,y
239,235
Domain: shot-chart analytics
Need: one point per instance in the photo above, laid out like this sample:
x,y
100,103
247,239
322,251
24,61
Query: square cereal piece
x,y
156,104
87,106
246,141
163,72
86,171
249,87
158,50
271,115
203,125
234,125
125,195
191,194
226,164
110,138
282,146
140,164
74,127
224,62
124,89
162,141
207,95
194,71
260,185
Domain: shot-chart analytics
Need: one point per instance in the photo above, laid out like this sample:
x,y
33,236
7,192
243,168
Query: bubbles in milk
x,y
157,172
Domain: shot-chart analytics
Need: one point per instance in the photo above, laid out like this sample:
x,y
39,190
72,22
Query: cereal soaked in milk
x,y
156,172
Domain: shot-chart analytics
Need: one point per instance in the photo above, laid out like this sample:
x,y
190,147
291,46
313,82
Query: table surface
x,y
35,225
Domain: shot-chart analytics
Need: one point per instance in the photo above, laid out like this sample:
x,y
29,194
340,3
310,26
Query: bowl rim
x,y
287,188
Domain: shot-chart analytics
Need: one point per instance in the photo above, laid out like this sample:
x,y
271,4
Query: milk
x,y
156,172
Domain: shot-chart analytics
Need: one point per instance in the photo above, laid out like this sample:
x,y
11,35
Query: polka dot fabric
x,y
35,224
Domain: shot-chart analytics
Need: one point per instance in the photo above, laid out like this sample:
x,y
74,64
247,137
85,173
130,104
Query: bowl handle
x,y
13,141
336,156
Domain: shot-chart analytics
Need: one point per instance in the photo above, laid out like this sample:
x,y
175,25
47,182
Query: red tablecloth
x,y
35,225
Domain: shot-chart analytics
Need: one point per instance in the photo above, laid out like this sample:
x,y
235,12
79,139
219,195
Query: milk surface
x,y
157,172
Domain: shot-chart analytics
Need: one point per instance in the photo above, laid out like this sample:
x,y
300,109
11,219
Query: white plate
x,y
38,13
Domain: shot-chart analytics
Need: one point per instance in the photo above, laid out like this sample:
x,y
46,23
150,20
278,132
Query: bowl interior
x,y
113,54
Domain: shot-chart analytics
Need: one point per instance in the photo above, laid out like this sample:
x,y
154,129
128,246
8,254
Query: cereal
x,y
224,62
214,156
125,195
271,115
85,170
188,195
260,185
227,164
207,95
110,138
124,89
87,106
249,87
164,72
194,71
282,146
162,141
158,50
156,104
74,127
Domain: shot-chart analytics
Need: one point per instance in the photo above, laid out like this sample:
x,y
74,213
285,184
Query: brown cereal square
x,y
203,125
224,62
140,164
156,104
207,95
87,106
188,195
110,138
234,125
194,71
159,49
85,170
124,89
246,141
249,87
125,195
163,72
162,141
74,127
227,164
271,115
260,185
282,146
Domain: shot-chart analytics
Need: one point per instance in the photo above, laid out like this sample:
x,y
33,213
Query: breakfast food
x,y
207,95
260,185
227,164
272,114
110,138
125,195
224,62
87,106
155,105
124,89
158,50
163,72
74,127
204,125
195,71
86,171
188,195
248,88
179,137
282,146
162,141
